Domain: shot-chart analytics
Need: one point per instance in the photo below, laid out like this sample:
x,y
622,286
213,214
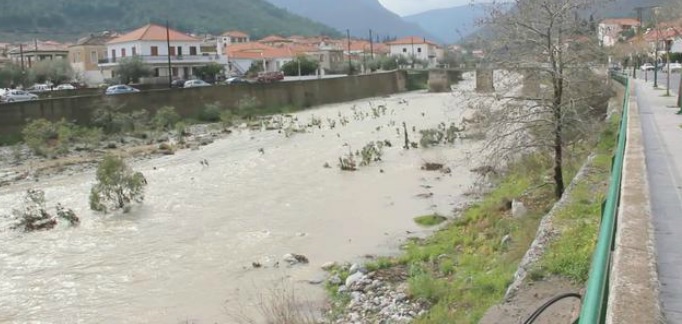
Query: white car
x,y
39,88
647,67
674,67
18,95
196,84
65,87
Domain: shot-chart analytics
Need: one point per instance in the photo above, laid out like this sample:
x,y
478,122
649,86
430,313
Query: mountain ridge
x,y
70,19
358,16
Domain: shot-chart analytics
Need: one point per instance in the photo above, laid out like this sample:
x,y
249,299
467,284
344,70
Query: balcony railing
x,y
164,59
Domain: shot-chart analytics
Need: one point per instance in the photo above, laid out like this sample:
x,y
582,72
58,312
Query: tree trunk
x,y
407,138
558,138
558,163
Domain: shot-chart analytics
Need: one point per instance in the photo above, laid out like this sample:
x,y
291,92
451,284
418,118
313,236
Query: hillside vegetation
x,y
70,19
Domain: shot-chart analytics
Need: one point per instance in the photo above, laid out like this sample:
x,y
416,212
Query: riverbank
x,y
467,266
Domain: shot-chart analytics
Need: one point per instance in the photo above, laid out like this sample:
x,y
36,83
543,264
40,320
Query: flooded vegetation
x,y
221,224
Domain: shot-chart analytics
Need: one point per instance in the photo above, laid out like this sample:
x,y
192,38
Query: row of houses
x,y
663,37
95,58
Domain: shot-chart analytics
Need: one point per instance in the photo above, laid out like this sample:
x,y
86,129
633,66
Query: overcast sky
x,y
409,7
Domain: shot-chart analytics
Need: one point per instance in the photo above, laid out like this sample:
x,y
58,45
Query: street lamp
x,y
658,35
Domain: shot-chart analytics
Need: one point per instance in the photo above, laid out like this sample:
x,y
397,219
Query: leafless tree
x,y
549,48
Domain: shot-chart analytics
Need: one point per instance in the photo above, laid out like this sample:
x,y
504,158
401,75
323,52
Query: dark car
x,y
180,83
238,80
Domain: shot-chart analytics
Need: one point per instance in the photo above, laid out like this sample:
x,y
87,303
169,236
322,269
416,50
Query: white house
x,y
232,37
417,47
154,44
609,31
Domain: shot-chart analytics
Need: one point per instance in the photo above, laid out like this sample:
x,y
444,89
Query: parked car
x,y
196,84
18,95
65,87
119,89
267,77
236,80
647,67
40,88
178,83
674,67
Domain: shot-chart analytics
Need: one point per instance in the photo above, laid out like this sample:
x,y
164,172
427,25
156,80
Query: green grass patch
x,y
9,140
430,220
465,268
570,254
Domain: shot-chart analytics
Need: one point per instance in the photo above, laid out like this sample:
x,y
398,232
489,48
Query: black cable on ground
x,y
546,305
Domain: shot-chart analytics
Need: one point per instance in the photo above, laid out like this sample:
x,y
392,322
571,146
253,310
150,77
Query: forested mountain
x,y
359,16
69,19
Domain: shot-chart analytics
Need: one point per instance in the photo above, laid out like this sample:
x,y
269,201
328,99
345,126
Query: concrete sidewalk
x,y
663,148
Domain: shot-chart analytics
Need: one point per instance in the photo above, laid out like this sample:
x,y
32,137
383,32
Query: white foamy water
x,y
186,254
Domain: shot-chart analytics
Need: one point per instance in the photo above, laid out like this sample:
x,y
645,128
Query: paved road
x,y
663,140
662,79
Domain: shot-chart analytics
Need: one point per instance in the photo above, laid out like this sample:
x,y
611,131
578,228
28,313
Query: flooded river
x,y
186,254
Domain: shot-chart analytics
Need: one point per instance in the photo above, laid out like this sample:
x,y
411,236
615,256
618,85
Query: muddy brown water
x,y
186,253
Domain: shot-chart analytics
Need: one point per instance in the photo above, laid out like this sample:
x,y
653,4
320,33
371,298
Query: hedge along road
x,y
187,252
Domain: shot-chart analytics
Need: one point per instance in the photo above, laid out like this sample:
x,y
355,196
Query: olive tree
x,y
131,69
57,71
117,187
35,215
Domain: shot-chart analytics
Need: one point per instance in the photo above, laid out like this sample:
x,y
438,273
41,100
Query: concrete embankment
x,y
189,102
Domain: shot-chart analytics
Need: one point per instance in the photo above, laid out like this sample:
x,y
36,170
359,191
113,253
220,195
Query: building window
x,y
172,51
93,57
419,50
123,52
156,72
179,50
192,50
174,71
404,50
113,55
134,51
155,51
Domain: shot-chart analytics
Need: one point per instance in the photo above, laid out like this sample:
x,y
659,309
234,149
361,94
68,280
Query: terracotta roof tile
x,y
152,32
621,21
411,40
235,33
274,38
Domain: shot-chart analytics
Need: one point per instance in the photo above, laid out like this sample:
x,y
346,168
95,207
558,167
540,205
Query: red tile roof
x,y
411,40
152,32
256,50
621,21
235,33
663,34
274,39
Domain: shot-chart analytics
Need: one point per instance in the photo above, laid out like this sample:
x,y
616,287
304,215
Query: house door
x,y
172,51
185,72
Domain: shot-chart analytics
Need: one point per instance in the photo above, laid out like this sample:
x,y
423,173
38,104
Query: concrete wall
x,y
189,102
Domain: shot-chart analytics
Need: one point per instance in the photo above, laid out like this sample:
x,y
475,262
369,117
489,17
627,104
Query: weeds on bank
x,y
465,268
570,255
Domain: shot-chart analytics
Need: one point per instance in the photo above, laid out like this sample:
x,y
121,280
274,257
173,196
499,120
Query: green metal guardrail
x,y
594,304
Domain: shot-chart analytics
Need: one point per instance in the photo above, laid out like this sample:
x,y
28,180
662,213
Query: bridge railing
x,y
595,301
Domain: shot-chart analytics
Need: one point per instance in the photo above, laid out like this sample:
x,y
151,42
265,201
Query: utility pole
x,y
21,54
658,36
170,70
350,64
412,60
371,44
